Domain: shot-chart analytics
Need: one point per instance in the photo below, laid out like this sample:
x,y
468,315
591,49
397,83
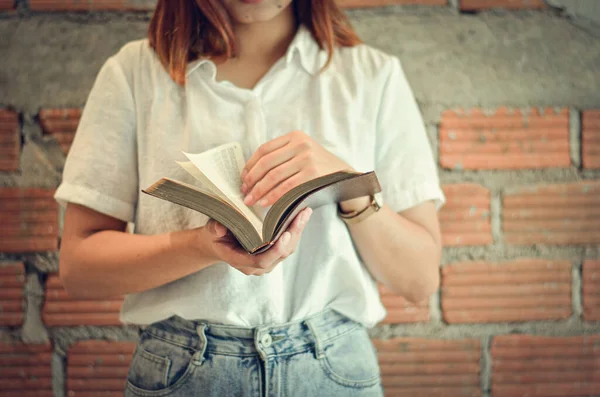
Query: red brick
x,y
553,214
62,310
536,366
60,113
61,124
474,5
11,293
10,138
591,290
400,311
25,370
92,5
465,219
507,139
521,290
28,193
380,3
429,367
7,4
30,220
12,281
98,367
590,137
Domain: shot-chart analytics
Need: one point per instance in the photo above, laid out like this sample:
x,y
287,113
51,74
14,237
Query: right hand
x,y
225,247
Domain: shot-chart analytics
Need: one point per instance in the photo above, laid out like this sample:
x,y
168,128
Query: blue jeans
x,y
324,355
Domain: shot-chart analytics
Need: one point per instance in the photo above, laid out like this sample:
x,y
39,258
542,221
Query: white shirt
x,y
137,122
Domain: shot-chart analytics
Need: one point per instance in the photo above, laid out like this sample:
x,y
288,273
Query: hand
x,y
284,163
225,247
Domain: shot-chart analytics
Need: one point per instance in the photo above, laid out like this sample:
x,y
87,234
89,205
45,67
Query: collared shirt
x,y
137,122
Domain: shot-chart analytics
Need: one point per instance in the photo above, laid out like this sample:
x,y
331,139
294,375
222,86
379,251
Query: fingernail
x,y
306,216
285,238
248,199
263,202
244,188
303,219
244,173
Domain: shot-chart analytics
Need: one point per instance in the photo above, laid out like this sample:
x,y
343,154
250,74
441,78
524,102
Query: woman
x,y
291,82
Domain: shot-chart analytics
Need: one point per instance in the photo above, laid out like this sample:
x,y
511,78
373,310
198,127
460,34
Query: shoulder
x,y
366,62
134,58
134,52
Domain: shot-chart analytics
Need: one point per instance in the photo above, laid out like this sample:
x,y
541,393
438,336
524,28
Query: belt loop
x,y
199,355
258,332
319,352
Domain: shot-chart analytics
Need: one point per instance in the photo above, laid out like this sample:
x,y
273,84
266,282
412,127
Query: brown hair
x,y
183,30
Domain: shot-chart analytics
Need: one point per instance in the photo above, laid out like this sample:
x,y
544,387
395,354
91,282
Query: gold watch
x,y
358,216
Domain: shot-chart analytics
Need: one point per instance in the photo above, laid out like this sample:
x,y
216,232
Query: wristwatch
x,y
358,216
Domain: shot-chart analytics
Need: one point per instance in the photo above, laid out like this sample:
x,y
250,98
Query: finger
x,y
299,223
286,244
275,253
266,164
216,229
271,180
248,271
275,194
239,259
283,245
265,149
296,229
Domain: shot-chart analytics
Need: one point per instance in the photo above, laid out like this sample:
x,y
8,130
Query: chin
x,y
253,11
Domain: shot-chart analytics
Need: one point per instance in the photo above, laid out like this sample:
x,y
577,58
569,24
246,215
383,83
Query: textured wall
x,y
512,104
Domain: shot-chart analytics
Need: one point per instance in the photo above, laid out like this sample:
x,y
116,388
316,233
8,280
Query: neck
x,y
268,39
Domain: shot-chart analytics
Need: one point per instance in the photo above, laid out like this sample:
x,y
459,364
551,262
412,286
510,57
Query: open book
x,y
217,194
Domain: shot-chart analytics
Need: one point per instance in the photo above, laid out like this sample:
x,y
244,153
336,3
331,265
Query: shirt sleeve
x,y
101,168
404,160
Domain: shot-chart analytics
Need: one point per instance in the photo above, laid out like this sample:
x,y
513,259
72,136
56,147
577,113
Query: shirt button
x,y
266,340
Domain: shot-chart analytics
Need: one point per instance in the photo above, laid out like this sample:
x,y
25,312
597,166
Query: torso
x,y
252,104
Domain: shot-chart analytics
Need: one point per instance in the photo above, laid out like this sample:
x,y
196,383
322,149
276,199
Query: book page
x,y
222,166
204,182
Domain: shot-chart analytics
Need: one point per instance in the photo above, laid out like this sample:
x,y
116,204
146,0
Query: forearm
x,y
399,253
112,263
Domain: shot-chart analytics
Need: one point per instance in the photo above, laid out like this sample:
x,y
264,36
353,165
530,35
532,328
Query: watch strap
x,y
355,217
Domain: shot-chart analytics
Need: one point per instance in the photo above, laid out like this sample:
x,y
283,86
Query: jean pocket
x,y
351,360
158,366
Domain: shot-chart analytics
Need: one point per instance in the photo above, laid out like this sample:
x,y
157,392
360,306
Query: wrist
x,y
194,243
355,205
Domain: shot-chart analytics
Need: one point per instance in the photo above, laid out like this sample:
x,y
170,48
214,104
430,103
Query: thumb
x,y
216,229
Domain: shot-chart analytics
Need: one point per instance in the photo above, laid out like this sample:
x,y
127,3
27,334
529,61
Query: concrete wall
x,y
511,100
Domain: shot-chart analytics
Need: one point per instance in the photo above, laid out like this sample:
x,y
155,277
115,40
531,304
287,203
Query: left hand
x,y
284,163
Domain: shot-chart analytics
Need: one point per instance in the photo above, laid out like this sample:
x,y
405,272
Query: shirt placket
x,y
256,127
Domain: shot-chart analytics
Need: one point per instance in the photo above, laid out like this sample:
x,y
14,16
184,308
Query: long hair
x,y
183,30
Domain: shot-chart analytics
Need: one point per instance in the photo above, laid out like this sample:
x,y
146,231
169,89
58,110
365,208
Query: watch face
x,y
379,199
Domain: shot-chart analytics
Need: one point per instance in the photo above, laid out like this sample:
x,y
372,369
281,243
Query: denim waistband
x,y
313,332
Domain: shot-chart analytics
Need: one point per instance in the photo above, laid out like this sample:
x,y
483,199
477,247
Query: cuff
x,y
402,199
97,201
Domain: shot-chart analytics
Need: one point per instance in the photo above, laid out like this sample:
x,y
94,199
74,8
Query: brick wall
x,y
518,310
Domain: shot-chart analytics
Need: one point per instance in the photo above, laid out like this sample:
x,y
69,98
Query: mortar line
x,y
33,329
496,217
435,307
575,137
576,290
485,375
59,373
